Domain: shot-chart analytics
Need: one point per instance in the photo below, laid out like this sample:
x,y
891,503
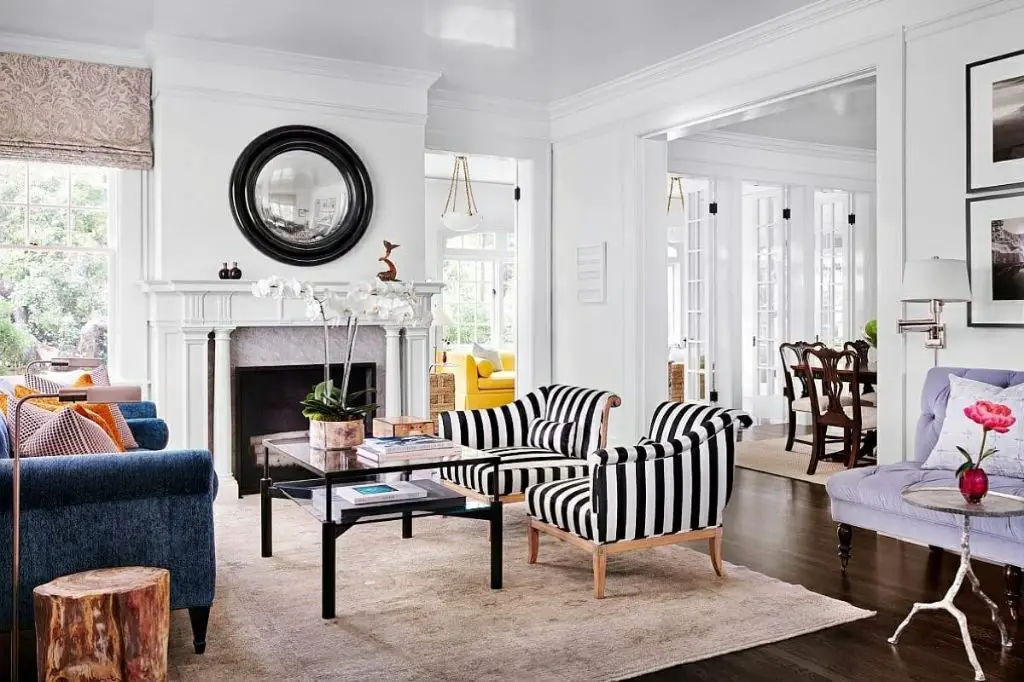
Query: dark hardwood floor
x,y
783,528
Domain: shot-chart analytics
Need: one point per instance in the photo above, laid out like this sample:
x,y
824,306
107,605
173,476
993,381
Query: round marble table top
x,y
950,500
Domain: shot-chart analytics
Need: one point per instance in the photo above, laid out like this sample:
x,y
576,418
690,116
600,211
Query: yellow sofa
x,y
472,391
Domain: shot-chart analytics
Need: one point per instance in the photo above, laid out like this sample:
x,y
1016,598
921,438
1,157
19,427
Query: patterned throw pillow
x,y
957,429
67,433
97,377
113,422
32,419
553,436
481,353
41,384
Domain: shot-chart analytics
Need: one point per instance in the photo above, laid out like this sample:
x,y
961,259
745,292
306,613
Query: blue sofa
x,y
141,508
870,497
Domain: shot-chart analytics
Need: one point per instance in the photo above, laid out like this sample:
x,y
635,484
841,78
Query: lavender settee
x,y
870,497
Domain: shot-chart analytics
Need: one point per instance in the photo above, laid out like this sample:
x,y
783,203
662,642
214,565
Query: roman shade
x,y
68,111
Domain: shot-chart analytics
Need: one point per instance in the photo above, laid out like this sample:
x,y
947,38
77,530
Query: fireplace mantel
x,y
183,316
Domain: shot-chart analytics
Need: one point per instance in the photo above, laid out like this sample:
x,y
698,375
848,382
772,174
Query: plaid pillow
x,y
41,384
67,433
553,436
32,419
98,377
108,412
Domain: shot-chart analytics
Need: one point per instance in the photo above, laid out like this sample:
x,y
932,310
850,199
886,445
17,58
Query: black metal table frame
x,y
331,530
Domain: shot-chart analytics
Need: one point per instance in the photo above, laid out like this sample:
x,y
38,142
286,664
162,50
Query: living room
x,y
222,224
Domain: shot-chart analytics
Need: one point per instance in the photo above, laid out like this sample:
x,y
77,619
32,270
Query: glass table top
x,y
338,463
951,501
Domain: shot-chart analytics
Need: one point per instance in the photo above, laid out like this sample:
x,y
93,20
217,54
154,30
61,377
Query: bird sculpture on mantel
x,y
391,274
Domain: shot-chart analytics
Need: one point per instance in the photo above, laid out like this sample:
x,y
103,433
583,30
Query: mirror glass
x,y
301,197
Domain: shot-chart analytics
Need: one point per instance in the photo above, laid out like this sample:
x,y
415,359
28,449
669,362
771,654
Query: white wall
x,y
731,159
920,147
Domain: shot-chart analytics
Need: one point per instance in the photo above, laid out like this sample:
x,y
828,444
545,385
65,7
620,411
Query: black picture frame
x,y
968,86
242,195
968,206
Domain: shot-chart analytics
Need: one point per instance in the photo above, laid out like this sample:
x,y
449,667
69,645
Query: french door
x,y
764,233
690,251
833,300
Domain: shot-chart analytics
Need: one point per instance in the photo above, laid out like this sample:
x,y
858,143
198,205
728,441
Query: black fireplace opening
x,y
267,404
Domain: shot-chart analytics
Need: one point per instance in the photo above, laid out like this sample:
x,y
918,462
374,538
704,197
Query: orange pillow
x,y
100,413
83,381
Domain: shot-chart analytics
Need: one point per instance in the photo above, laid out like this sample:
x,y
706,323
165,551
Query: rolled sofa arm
x,y
494,427
140,410
150,434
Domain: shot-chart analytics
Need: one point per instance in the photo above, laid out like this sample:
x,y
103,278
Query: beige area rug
x,y
421,609
771,457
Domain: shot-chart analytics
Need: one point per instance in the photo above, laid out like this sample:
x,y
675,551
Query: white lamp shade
x,y
935,279
461,222
441,318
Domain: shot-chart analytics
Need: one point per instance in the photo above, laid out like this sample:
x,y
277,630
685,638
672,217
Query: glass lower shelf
x,y
311,495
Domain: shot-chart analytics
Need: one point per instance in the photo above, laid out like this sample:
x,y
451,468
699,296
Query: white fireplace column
x,y
392,371
195,393
222,399
417,365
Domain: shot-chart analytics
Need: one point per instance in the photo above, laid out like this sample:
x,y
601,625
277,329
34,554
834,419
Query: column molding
x,y
222,445
392,371
416,363
195,397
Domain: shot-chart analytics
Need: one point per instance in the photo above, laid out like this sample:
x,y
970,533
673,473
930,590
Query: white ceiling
x,y
843,116
522,49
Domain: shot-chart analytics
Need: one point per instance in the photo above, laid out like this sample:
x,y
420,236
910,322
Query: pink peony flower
x,y
991,416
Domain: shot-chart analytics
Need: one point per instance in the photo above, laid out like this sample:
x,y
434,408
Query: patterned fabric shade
x,y
75,112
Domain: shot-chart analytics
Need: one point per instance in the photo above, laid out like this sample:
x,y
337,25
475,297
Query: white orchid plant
x,y
367,302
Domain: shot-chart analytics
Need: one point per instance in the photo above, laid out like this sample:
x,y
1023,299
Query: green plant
x,y
326,404
871,333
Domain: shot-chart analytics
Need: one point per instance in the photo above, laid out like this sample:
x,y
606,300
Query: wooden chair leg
x,y
817,448
857,434
715,547
600,563
533,542
791,434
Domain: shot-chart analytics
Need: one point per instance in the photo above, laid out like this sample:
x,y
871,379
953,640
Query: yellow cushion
x,y
484,368
498,381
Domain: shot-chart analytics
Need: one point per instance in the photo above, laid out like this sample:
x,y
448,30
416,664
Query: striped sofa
x,y
580,415
671,487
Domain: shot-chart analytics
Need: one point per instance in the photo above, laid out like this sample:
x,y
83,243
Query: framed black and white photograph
x,y
995,123
995,260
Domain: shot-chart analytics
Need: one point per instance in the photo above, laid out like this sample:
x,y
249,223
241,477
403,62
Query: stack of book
x,y
404,448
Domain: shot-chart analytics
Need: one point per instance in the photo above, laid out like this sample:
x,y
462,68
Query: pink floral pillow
x,y
67,433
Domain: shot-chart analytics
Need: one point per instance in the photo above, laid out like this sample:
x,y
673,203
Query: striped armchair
x,y
544,436
671,487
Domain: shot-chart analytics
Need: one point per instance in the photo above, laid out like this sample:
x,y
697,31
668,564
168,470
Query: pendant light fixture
x,y
677,219
452,217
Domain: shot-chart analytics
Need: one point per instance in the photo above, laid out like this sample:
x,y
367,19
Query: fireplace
x,y
267,403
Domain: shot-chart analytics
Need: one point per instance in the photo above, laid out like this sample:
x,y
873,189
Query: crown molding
x,y
723,48
66,49
176,47
781,146
483,104
456,112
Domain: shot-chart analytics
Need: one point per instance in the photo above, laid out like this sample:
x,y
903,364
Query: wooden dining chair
x,y
861,347
836,402
795,389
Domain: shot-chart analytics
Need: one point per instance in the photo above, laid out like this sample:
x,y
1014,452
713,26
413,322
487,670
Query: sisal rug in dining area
x,y
771,457
421,609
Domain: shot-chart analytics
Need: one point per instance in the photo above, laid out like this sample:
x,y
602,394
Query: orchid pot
x,y
972,478
336,435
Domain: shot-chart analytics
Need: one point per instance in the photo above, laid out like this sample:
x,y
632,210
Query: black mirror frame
x,y
242,190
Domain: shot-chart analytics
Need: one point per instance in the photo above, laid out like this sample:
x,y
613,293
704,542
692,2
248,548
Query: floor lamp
x,y
92,394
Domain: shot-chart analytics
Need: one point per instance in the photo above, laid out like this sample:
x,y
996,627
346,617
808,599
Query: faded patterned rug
x,y
421,609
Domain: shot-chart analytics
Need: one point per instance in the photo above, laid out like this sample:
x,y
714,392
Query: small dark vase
x,y
974,485
234,273
224,273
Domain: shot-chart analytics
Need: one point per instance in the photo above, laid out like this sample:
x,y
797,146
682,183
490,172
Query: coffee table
x,y
950,501
333,468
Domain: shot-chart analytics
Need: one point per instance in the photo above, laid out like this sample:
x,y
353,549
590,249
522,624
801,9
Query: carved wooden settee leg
x,y
1013,585
845,535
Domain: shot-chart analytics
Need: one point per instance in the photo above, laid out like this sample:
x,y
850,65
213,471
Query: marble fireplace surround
x,y
184,315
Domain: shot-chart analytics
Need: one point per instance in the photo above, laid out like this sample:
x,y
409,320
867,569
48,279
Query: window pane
x,y
52,304
48,184
12,224
47,226
88,227
89,187
13,179
454,242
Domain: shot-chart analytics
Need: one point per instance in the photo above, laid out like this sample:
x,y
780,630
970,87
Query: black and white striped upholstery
x,y
503,430
676,484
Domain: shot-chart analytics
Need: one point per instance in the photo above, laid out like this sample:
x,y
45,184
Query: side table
x,y
950,501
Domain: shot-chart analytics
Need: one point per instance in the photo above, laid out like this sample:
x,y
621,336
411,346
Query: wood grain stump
x,y
103,625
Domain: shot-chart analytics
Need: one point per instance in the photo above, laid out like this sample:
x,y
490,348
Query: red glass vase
x,y
973,485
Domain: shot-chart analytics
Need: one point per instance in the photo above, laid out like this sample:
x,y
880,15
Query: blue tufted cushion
x,y
935,394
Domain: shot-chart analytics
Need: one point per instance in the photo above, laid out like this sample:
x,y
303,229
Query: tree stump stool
x,y
107,624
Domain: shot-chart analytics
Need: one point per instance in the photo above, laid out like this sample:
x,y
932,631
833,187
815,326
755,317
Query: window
x,y
763,226
832,267
55,261
480,298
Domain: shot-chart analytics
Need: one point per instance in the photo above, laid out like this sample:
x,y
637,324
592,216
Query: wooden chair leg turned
x,y
715,547
1013,584
845,535
600,564
791,433
533,542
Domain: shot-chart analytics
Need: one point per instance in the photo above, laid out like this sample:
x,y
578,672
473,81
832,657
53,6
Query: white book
x,y
383,458
395,444
377,493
